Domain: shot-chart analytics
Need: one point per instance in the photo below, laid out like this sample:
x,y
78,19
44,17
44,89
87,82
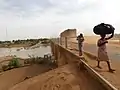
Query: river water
x,y
24,53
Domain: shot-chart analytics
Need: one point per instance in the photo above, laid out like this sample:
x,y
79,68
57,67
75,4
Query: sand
x,y
15,76
66,77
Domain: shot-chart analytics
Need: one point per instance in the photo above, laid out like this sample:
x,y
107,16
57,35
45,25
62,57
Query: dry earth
x,y
66,77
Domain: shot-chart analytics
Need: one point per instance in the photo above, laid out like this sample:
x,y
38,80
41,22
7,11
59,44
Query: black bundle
x,y
103,29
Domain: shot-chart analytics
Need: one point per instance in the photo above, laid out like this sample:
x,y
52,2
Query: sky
x,y
21,19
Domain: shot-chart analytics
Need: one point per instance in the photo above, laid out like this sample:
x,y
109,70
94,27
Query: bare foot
x,y
111,70
99,67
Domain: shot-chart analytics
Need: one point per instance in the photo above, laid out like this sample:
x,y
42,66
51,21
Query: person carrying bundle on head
x,y
102,50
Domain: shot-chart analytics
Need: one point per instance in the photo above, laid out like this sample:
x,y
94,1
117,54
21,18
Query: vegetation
x,y
14,63
23,43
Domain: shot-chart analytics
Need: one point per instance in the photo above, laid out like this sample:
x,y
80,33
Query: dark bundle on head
x,y
102,24
102,29
103,35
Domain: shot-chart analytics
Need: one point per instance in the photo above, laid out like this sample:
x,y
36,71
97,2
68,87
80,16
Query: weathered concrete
x,y
68,35
62,55
65,56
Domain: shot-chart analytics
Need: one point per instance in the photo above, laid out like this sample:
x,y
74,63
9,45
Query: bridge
x,y
65,52
71,71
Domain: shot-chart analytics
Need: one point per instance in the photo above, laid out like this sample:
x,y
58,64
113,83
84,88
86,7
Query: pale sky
x,y
47,18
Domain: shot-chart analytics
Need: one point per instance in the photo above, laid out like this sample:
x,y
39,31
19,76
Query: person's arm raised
x,y
110,36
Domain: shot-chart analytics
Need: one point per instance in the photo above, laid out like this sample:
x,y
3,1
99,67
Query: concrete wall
x,y
70,34
62,55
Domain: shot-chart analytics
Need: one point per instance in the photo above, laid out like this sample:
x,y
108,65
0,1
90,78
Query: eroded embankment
x,y
66,77
15,76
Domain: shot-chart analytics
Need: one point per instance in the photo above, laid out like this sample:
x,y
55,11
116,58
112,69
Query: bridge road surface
x,y
114,55
113,51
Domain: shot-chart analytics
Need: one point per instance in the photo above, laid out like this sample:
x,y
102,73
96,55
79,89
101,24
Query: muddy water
x,y
23,53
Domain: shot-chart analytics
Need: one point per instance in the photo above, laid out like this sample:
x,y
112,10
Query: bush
x,y
14,63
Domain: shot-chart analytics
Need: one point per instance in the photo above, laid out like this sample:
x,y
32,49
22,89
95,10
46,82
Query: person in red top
x,y
80,39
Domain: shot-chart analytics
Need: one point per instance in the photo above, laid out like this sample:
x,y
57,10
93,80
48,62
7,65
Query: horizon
x,y
53,37
37,18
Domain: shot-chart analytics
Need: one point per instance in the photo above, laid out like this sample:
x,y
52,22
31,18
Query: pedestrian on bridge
x,y
80,39
102,51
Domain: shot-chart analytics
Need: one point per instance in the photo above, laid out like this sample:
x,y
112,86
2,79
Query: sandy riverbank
x,y
62,78
12,77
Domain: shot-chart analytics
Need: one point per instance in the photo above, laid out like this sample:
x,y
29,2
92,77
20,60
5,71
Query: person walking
x,y
102,51
80,39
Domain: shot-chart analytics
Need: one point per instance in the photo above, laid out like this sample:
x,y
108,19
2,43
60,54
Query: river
x,y
24,53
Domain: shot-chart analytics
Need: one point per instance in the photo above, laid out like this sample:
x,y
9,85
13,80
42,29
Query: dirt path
x,y
66,77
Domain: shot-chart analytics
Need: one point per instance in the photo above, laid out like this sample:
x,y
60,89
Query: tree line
x,y
24,41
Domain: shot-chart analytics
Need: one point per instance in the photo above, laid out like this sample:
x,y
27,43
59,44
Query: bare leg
x,y
109,67
80,50
99,65
80,53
